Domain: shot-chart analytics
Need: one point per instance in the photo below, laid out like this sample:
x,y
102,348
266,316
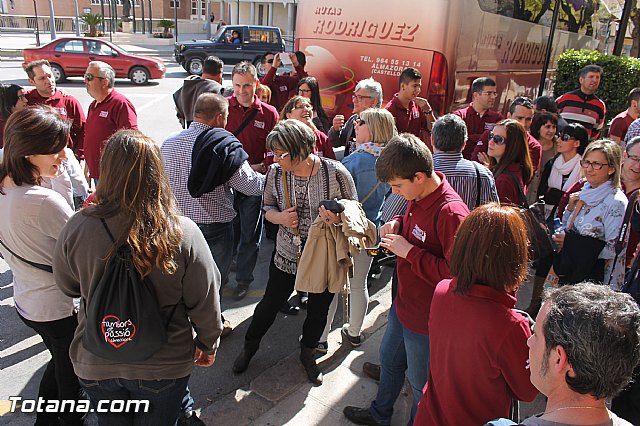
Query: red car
x,y
70,56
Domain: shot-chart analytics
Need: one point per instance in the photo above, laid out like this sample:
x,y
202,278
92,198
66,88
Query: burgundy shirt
x,y
478,351
2,123
535,149
254,136
115,112
508,193
69,108
282,85
428,261
620,124
476,126
411,119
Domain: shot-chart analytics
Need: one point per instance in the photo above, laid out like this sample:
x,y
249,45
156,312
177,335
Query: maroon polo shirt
x,y
535,149
104,118
282,85
478,352
620,124
428,260
411,119
254,136
69,108
508,192
476,125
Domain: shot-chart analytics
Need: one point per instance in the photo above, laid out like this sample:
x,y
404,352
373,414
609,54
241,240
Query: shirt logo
x,y
419,233
61,111
104,114
489,126
284,89
416,114
259,124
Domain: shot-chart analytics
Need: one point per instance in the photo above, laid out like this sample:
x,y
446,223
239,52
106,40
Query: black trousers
x,y
627,403
279,288
59,381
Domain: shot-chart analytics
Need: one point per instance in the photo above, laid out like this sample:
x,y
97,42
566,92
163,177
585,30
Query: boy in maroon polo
x,y
412,113
109,112
422,240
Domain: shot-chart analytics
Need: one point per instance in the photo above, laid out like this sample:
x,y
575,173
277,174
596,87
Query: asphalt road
x,y
22,353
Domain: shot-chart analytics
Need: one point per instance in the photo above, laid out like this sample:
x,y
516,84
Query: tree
x,y
635,32
92,20
166,24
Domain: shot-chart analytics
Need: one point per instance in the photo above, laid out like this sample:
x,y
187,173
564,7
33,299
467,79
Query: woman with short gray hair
x,y
296,184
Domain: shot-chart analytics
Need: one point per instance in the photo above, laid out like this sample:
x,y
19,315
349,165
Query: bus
x,y
451,42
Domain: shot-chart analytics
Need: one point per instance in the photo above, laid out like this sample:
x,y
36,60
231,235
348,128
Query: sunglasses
x,y
22,97
360,121
373,251
499,140
90,77
269,61
280,156
565,137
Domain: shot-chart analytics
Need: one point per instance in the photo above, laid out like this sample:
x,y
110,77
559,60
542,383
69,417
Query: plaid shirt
x,y
217,205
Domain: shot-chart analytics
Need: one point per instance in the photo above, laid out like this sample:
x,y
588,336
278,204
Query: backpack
x,y
123,319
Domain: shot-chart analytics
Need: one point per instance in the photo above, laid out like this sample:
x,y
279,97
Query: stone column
x,y
270,14
252,13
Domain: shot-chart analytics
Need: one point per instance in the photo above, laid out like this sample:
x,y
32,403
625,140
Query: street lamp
x,y
35,11
175,16
150,19
77,20
547,58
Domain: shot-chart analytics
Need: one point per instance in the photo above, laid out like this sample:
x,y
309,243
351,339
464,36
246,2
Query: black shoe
x,y
191,419
307,358
360,416
289,309
304,299
371,370
240,292
241,363
353,341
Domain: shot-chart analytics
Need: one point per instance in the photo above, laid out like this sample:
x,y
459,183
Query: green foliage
x,y
91,19
166,24
621,74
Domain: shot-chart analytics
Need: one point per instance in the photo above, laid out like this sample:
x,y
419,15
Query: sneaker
x,y
353,341
190,419
240,292
323,347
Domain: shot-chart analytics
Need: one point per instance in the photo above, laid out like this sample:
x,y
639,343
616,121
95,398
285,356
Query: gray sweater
x,y
78,262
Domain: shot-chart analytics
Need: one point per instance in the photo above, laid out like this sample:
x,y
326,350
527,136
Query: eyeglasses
x,y
269,61
304,90
596,165
360,97
499,140
360,121
373,251
90,77
490,93
22,97
280,156
565,137
634,158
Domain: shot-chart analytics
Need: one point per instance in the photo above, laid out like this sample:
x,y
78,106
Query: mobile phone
x,y
373,251
286,60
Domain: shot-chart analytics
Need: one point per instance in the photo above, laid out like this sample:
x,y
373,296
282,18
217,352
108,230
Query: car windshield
x,y
216,36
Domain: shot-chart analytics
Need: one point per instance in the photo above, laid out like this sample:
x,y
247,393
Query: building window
x,y
171,2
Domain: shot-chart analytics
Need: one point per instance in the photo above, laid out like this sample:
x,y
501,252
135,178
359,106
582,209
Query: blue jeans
x,y
164,396
401,350
249,220
219,236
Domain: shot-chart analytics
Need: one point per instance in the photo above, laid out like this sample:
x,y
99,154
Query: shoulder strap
x,y
522,199
246,121
41,266
366,197
437,215
624,228
106,228
475,166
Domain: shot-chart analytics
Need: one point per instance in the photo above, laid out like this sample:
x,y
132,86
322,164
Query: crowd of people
x,y
441,198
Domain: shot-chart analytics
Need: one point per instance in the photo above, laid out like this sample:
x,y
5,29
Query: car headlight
x,y
181,47
160,66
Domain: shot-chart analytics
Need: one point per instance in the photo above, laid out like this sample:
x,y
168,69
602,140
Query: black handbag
x,y
540,245
578,260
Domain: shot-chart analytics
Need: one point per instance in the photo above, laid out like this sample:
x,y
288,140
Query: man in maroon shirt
x,y
422,240
280,85
621,122
413,114
521,110
46,93
479,116
109,112
250,120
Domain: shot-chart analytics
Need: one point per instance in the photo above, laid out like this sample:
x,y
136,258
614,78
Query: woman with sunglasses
x,y
296,184
300,108
32,220
308,87
560,174
374,128
12,99
599,210
509,160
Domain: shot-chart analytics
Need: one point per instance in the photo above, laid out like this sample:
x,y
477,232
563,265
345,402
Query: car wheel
x,y
139,75
195,66
58,73
259,68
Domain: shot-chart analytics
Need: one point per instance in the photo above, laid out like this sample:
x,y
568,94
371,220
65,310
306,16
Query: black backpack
x,y
123,319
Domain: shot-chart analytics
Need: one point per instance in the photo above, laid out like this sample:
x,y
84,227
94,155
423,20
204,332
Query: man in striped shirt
x,y
472,181
582,106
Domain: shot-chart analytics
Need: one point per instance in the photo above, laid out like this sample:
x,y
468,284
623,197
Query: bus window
x,y
574,16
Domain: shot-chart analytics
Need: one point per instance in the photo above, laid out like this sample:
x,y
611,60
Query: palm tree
x,y
167,24
92,20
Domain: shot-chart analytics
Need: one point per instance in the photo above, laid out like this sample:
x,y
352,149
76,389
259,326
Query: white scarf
x,y
562,168
594,196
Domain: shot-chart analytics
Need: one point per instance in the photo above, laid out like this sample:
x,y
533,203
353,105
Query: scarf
x,y
371,148
561,168
594,196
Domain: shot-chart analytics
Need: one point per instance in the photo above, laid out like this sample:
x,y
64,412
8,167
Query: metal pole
x,y
142,10
547,58
209,23
622,27
175,17
133,13
77,20
35,11
238,13
52,21
151,19
110,22
114,4
103,17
